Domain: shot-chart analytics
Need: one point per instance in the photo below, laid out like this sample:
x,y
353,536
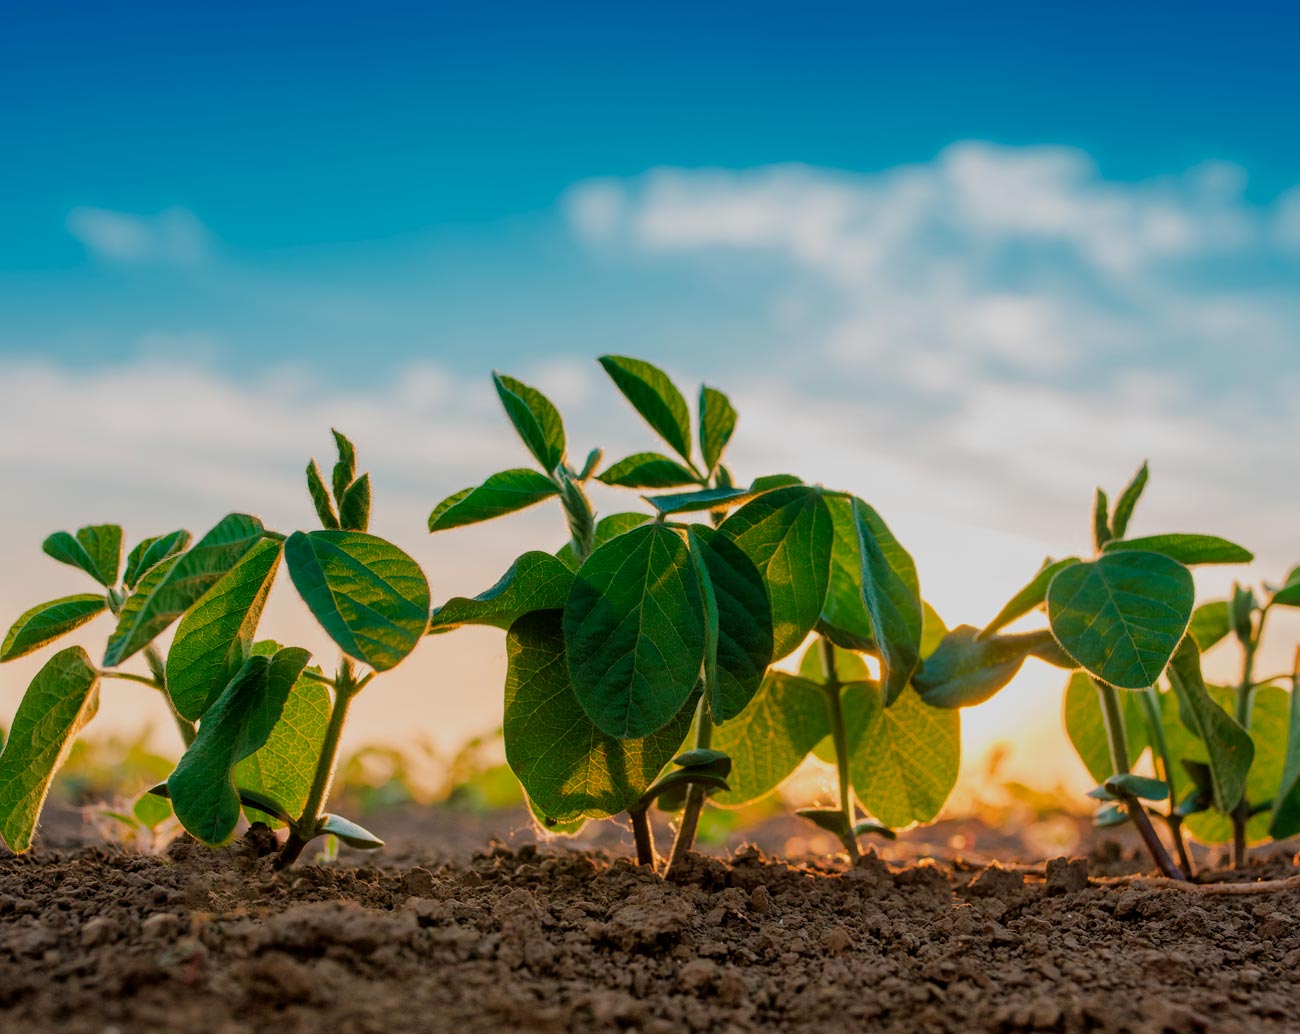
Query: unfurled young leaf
x,y
354,507
742,648
61,699
717,424
634,631
892,596
96,549
655,397
502,493
202,788
173,586
47,622
606,528
1031,596
1187,549
1128,501
152,552
1211,624
787,534
1101,533
320,498
345,470
1228,745
568,767
536,581
535,418
968,668
647,470
216,634
369,597
1122,616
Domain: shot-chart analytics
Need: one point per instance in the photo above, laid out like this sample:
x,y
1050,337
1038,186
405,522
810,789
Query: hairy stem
x,y
839,736
644,837
1165,769
694,794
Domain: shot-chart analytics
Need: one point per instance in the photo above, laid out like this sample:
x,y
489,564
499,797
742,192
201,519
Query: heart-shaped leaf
x,y
535,418
655,397
46,622
502,493
536,581
370,597
1123,615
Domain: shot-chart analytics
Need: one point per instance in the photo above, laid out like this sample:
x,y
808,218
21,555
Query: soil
x,y
428,936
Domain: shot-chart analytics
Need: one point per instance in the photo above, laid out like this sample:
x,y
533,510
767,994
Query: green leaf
x,y
713,500
607,528
239,723
1085,724
535,581
46,622
1229,746
1100,520
1122,616
904,761
1142,787
717,424
170,588
568,767
832,820
742,649
892,596
369,597
933,630
1286,805
320,498
655,397
1032,595
151,811
354,507
216,634
771,737
1289,594
1187,549
96,549
151,552
535,418
647,470
967,669
1211,623
345,470
787,534
60,700
502,493
844,617
350,833
634,628
1128,501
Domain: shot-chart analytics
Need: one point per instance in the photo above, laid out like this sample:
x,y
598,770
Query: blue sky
x,y
966,262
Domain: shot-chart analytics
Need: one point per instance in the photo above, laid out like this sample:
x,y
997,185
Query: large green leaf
x,y
1086,726
535,418
536,581
568,767
742,648
771,737
1127,502
844,615
647,470
1123,615
634,627
1286,804
904,761
606,528
717,425
370,597
892,595
96,549
1211,624
217,633
46,622
968,669
153,551
238,724
170,588
502,493
58,703
1031,596
1229,747
788,535
283,767
1187,549
655,397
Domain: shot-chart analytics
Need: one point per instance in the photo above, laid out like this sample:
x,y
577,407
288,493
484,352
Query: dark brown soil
x,y
553,938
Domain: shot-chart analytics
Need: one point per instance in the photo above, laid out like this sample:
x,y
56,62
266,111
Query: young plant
x,y
1121,618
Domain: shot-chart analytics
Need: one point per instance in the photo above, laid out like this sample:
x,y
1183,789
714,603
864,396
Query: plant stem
x,y
159,669
644,837
1245,705
694,794
578,512
1165,768
307,826
127,676
1114,721
839,736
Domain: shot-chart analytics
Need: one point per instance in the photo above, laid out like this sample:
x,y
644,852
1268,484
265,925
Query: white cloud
x,y
174,236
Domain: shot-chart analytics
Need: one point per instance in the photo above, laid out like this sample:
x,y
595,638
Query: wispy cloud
x,y
174,236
